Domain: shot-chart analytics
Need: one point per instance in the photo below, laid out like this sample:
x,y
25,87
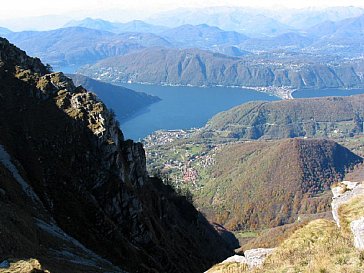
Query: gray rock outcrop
x,y
252,257
357,228
343,193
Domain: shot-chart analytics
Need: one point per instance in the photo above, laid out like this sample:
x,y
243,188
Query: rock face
x,y
22,266
357,228
256,257
347,197
92,185
343,193
123,101
252,259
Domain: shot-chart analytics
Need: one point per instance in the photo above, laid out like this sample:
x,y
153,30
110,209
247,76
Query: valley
x,y
202,162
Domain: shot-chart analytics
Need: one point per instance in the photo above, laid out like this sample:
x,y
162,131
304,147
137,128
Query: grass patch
x,y
349,212
317,247
246,234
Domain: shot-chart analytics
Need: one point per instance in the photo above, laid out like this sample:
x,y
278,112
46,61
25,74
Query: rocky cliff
x,y
348,210
125,102
71,172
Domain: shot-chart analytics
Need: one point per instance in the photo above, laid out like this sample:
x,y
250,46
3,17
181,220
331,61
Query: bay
x,y
183,107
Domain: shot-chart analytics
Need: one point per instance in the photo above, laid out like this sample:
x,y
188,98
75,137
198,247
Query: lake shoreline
x,y
184,107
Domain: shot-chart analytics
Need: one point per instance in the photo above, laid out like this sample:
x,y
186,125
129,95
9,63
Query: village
x,y
184,162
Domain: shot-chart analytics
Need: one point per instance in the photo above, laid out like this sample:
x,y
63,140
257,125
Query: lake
x,y
183,107
310,93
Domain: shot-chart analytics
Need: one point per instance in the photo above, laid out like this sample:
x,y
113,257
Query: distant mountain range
x,y
96,35
308,17
287,41
340,37
4,31
145,39
245,20
256,22
328,55
132,26
76,46
202,36
197,67
343,38
72,46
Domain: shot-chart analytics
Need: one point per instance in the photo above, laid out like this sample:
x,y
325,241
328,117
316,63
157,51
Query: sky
x,y
26,8
19,15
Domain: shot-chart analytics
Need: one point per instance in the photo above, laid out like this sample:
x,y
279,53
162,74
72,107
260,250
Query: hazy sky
x,y
20,8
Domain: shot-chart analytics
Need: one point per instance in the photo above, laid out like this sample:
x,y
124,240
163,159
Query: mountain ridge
x,y
68,146
315,117
72,45
116,27
203,68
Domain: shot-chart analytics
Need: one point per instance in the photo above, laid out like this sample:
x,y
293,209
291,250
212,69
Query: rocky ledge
x,y
346,211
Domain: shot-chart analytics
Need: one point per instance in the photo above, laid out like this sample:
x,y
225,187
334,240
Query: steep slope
x,y
256,185
28,230
125,102
75,163
331,116
203,68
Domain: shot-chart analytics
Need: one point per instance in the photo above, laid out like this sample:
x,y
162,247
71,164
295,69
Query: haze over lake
x,y
184,107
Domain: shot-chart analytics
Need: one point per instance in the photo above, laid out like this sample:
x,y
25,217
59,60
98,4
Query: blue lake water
x,y
188,107
184,107
309,93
